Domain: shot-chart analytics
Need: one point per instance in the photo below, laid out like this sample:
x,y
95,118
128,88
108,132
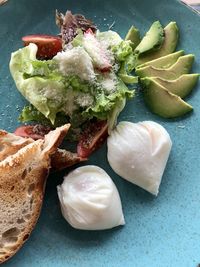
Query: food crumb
x,y
112,25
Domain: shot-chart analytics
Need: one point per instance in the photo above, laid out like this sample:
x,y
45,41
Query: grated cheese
x,y
51,93
85,100
76,61
97,51
70,106
109,83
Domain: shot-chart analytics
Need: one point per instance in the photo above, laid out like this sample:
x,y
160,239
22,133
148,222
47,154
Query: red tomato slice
x,y
92,138
48,45
33,131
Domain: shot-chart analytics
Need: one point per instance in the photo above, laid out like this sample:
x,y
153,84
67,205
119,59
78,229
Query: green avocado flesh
x,y
182,66
163,62
133,35
171,36
162,102
152,40
181,86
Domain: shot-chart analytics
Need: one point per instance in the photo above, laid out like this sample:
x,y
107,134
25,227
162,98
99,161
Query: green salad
x,y
85,80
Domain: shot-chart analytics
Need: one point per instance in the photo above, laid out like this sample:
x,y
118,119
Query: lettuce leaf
x,y
106,105
33,86
122,50
112,119
125,57
78,40
30,113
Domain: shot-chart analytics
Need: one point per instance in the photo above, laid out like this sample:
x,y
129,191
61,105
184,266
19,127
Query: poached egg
x,y
90,200
138,152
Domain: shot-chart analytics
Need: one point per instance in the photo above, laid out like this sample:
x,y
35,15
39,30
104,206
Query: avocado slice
x,y
182,66
133,35
162,102
163,62
181,86
171,34
152,40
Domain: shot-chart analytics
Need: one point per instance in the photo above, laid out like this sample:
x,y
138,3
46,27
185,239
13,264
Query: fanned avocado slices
x,y
162,102
133,35
152,40
181,86
163,73
163,62
182,66
171,36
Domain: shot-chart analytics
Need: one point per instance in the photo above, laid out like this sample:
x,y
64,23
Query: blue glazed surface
x,y
159,232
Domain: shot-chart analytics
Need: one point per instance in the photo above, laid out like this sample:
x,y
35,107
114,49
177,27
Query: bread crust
x,y
22,182
11,143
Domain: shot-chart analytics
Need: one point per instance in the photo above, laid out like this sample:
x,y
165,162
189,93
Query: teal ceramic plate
x,y
159,232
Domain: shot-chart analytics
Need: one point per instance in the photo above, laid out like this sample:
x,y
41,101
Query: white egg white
x,y
90,200
138,152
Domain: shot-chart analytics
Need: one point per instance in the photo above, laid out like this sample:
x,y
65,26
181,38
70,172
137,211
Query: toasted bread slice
x,y
22,182
11,143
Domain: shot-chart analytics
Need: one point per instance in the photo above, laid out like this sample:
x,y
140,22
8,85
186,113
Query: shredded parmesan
x,y
70,105
77,62
109,83
85,100
51,93
98,53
